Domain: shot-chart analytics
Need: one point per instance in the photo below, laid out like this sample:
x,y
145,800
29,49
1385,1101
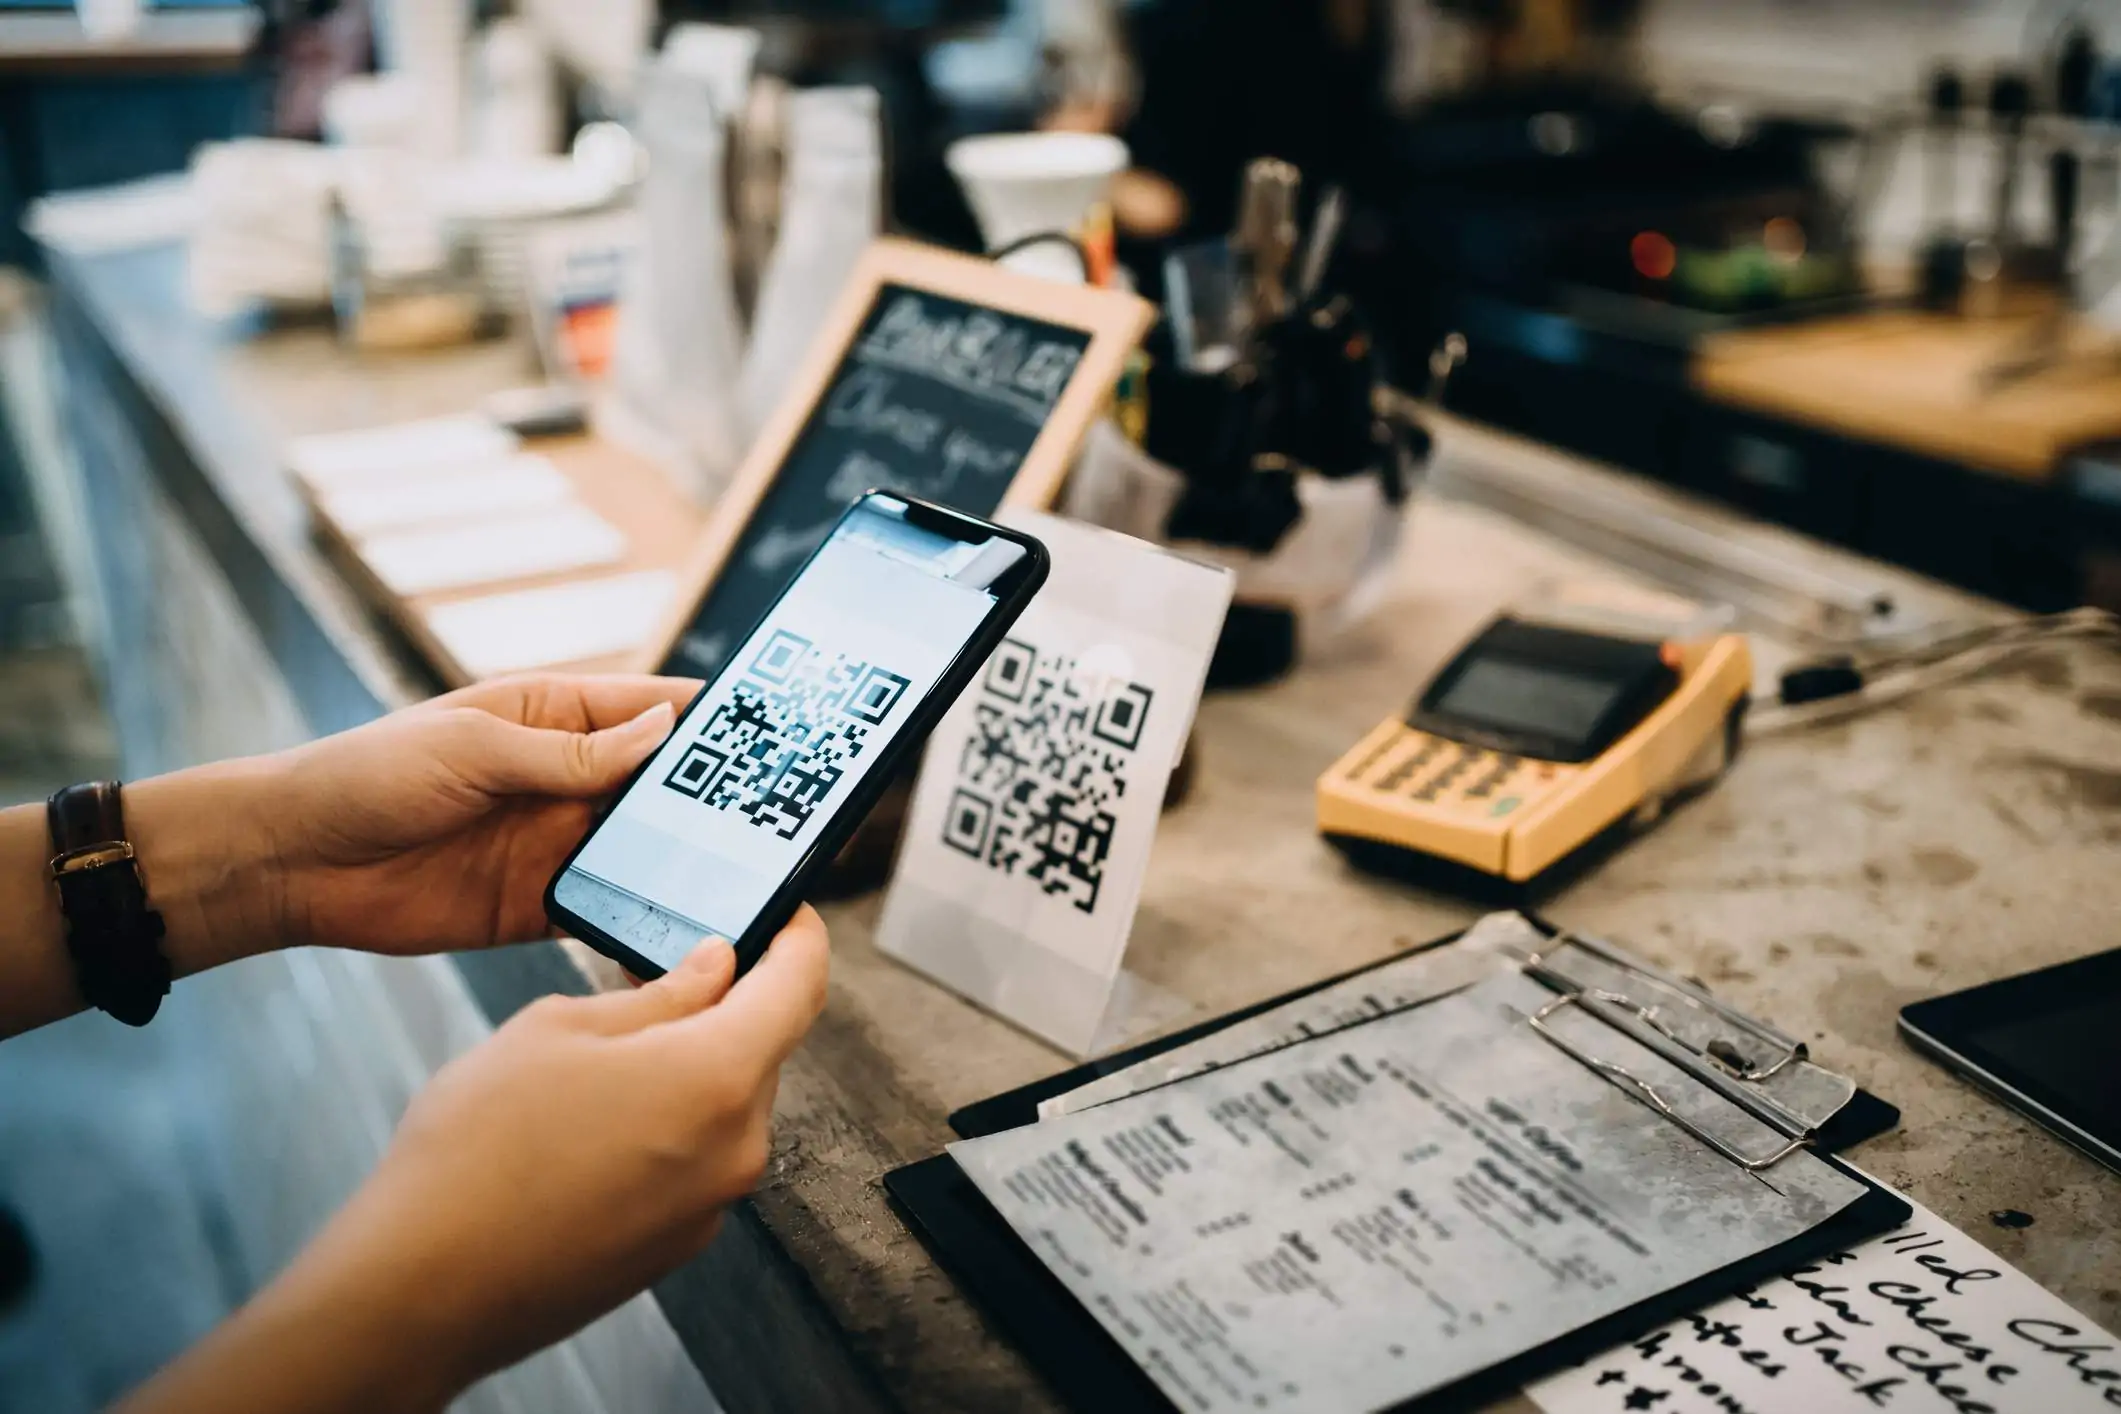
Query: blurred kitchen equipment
x,y
425,41
1587,238
516,96
263,229
2010,101
679,350
722,57
2048,342
2076,69
1524,42
374,110
605,41
1319,245
1265,240
577,274
758,159
1203,306
1263,448
831,209
1947,110
386,304
501,203
1032,184
1944,250
404,275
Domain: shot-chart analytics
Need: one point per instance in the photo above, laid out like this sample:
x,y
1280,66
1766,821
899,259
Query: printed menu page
x,y
1360,1219
1403,982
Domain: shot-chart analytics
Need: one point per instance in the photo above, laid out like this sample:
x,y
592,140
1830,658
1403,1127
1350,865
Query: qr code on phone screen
x,y
1047,761
776,750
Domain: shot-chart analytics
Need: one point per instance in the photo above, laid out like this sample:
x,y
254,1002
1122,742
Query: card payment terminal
x,y
1533,741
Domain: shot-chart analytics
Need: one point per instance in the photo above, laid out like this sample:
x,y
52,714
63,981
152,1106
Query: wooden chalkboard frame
x,y
1115,322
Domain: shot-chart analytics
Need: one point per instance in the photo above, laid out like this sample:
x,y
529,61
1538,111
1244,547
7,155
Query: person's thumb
x,y
694,985
519,760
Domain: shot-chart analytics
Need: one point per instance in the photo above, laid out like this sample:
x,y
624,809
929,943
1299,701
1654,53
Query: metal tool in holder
x,y
1265,449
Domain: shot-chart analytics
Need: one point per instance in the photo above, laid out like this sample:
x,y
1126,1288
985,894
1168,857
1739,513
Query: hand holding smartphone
x,y
722,831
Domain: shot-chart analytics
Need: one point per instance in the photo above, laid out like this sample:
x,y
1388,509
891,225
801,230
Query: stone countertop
x,y
1836,875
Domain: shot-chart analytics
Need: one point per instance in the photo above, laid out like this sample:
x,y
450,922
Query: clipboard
x,y
1090,1371
1866,1116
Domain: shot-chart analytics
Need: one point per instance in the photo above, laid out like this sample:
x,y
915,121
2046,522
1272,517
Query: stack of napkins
x,y
261,228
561,623
454,503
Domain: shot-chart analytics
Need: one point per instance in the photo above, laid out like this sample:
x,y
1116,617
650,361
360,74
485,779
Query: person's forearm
x,y
306,1346
366,1318
206,862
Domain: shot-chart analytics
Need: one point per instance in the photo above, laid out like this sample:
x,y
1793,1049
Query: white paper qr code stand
x,y
1029,834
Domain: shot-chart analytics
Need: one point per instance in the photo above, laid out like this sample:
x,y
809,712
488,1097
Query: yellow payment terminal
x,y
1534,741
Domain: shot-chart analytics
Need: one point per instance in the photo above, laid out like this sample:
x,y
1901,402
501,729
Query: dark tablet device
x,y
2047,1042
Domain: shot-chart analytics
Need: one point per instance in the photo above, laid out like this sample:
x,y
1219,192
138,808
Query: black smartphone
x,y
722,831
2047,1043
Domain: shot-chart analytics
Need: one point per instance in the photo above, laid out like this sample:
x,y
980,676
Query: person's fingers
x,y
771,1007
506,759
611,701
572,702
693,986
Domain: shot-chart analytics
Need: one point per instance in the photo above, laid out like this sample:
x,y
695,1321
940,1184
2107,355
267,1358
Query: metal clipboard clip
x,y
1778,1051
1719,1064
1630,1083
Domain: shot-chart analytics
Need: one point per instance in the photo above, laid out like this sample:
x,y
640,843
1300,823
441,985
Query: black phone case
x,y
856,806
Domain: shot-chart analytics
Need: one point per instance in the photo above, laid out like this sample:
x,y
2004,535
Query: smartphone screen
x,y
708,833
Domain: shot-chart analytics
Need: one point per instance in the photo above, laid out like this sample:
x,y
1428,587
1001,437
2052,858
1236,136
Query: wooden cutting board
x,y
1913,379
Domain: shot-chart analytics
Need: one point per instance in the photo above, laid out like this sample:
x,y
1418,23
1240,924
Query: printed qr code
x,y
776,750
1046,763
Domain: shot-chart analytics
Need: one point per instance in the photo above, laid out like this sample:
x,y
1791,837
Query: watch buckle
x,y
91,856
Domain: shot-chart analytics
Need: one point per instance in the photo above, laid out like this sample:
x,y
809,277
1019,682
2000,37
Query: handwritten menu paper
x,y
1377,1214
1922,1320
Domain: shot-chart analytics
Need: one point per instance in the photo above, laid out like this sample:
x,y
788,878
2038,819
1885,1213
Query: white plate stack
x,y
499,203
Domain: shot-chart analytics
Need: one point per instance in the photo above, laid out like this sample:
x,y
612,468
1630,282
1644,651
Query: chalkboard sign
x,y
939,375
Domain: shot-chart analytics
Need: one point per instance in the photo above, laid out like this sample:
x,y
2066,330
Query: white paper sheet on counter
x,y
562,623
412,562
332,460
1921,1320
511,485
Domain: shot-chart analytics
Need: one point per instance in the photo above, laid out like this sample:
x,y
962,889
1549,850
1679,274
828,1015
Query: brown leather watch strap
x,y
112,935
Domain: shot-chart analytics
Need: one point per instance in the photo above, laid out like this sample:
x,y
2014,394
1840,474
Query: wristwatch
x,y
112,935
